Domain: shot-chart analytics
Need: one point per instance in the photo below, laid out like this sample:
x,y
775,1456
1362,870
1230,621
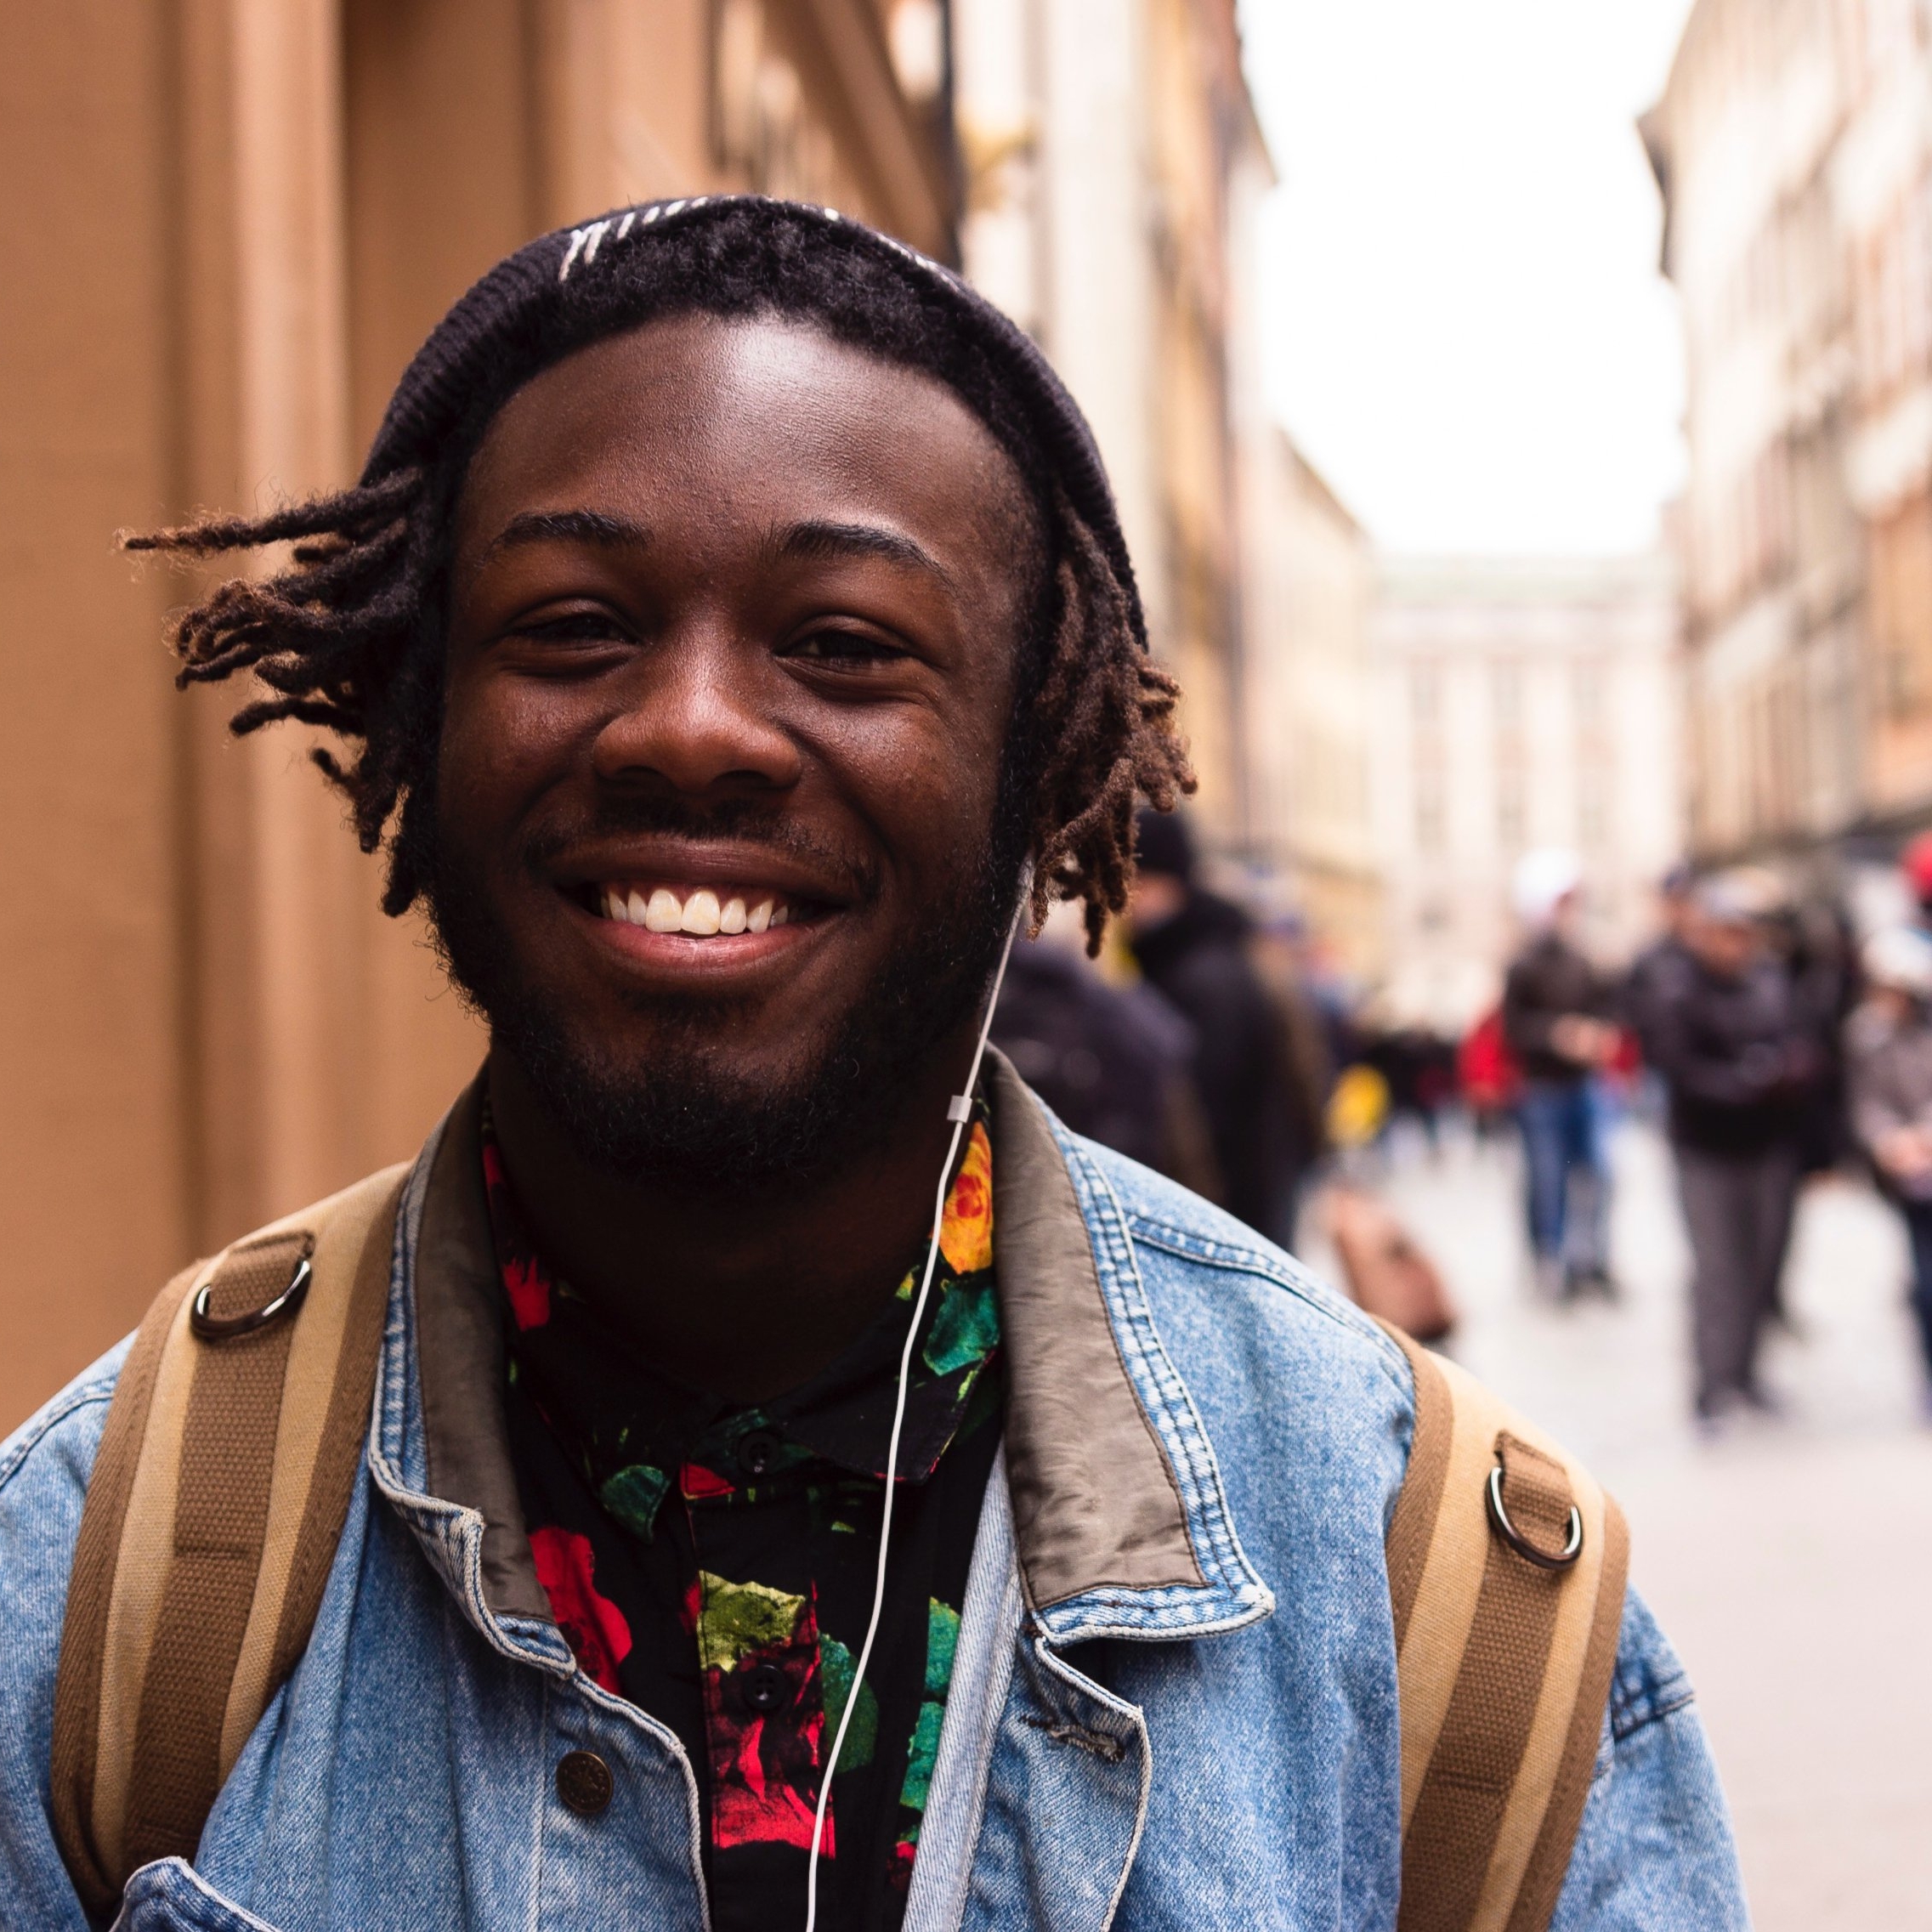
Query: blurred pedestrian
x,y
1889,1054
1654,967
1419,1070
1734,1046
1915,867
1114,1062
1491,1081
1194,946
1816,944
1285,958
1556,1020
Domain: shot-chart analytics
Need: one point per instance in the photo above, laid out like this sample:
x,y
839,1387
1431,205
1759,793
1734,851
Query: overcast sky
x,y
1465,331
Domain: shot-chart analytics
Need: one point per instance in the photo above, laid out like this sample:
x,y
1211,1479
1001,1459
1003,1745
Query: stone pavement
x,y
1791,1562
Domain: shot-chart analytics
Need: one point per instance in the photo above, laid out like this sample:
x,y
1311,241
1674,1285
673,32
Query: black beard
x,y
694,1121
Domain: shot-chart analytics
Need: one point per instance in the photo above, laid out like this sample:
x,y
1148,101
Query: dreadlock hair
x,y
349,636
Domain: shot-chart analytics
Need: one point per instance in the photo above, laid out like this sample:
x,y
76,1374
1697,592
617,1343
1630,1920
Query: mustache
x,y
741,823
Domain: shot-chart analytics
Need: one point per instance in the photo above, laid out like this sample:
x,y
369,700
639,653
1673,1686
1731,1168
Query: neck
x,y
745,1289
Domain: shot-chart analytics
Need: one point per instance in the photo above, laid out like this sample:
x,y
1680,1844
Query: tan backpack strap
x,y
217,1497
1507,1564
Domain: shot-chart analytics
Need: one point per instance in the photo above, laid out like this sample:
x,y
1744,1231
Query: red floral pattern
x,y
526,1282
592,1625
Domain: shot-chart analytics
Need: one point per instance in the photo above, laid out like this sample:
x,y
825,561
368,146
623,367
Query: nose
x,y
700,717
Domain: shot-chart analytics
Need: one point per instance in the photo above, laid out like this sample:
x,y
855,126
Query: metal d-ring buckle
x,y
217,1328
1520,1543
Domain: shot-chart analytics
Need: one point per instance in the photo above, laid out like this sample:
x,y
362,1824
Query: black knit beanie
x,y
570,288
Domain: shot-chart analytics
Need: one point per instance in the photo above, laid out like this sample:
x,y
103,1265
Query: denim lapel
x,y
1121,1524
438,1450
1104,1517
1039,1790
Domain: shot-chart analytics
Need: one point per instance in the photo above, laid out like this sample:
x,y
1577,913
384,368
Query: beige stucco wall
x,y
228,223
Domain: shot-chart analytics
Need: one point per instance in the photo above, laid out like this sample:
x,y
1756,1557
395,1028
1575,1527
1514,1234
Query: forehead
x,y
748,417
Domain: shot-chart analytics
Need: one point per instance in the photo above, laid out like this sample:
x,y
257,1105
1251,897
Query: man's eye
x,y
843,647
573,627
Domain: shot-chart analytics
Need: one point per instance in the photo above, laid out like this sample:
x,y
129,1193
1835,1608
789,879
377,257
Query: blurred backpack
x,y
1387,1275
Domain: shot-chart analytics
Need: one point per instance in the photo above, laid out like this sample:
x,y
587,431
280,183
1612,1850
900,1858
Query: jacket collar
x,y
1121,1523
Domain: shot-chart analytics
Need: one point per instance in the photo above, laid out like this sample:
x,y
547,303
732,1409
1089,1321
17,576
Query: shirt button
x,y
764,1687
584,1783
757,1450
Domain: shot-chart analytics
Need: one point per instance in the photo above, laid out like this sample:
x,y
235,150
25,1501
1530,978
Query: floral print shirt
x,y
715,1565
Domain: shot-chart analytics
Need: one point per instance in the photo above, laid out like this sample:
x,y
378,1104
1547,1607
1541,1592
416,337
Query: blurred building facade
x,y
1518,705
1115,172
1306,713
1794,146
1102,141
229,224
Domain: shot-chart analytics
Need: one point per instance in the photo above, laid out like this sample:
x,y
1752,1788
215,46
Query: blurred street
x,y
1791,1562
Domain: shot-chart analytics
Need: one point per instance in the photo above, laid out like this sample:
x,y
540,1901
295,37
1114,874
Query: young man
x,y
736,642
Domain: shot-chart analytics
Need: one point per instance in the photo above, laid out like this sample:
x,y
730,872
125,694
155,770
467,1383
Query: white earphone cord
x,y
961,1112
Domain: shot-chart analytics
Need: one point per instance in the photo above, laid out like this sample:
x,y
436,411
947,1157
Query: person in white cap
x,y
1556,1019
1889,1053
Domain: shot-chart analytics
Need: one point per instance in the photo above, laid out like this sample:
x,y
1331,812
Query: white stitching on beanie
x,y
585,241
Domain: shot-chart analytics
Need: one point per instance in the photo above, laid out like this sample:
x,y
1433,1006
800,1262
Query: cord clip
x,y
959,1108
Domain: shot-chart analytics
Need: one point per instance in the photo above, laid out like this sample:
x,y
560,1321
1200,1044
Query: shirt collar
x,y
631,1429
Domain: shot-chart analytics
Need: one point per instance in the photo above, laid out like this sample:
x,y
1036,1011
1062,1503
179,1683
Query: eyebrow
x,y
821,540
567,526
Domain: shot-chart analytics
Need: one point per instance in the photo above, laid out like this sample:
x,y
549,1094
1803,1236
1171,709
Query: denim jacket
x,y
1174,1697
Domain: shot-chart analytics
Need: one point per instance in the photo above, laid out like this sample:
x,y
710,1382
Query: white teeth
x,y
700,916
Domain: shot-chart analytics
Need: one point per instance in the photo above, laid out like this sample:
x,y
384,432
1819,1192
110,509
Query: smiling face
x,y
735,618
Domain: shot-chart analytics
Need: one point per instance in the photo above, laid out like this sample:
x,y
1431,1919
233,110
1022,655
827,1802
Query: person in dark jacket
x,y
1661,962
1556,1023
1114,1062
1733,1044
1194,947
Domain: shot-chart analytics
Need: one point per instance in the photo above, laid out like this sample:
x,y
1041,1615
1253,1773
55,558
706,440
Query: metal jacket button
x,y
584,1783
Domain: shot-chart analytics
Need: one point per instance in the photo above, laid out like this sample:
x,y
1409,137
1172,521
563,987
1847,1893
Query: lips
x,y
699,912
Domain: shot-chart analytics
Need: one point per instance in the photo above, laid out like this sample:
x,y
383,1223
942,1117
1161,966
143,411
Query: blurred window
x,y
1593,805
1430,828
1506,692
1510,815
1587,695
1426,692
1901,594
